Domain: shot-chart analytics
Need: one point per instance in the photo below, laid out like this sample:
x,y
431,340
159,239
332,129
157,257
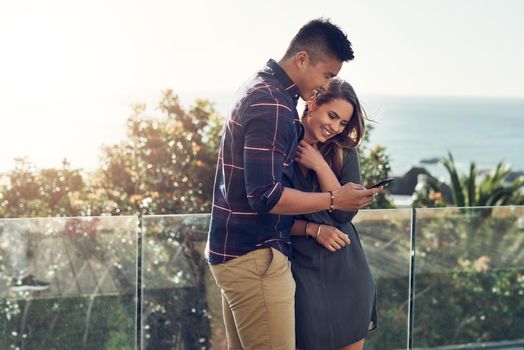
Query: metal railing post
x,y
411,294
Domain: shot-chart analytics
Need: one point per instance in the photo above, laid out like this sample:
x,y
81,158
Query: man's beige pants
x,y
258,300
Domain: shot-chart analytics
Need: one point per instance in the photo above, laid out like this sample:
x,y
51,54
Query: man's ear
x,y
311,104
301,59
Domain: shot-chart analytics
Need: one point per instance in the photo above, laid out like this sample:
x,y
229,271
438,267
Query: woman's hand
x,y
309,156
329,237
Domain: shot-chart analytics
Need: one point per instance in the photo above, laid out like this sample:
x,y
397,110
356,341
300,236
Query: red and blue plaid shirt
x,y
255,163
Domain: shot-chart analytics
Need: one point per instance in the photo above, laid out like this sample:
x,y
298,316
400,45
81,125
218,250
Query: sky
x,y
69,71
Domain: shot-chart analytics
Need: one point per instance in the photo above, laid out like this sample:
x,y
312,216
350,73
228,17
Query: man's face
x,y
315,76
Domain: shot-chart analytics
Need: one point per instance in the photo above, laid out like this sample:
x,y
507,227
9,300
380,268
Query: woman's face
x,y
327,120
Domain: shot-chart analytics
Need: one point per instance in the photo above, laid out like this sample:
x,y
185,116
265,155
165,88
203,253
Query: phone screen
x,y
383,182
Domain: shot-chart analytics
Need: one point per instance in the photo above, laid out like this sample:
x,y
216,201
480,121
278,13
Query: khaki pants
x,y
258,300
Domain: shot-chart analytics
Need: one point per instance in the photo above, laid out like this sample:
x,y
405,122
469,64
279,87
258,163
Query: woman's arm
x,y
299,228
329,237
310,157
326,178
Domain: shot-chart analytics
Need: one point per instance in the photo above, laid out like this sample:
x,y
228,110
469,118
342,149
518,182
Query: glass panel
x,y
68,283
181,305
385,236
470,278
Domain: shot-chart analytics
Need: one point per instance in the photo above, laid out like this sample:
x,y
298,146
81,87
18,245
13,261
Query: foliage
x,y
490,191
166,165
473,189
60,324
48,192
375,166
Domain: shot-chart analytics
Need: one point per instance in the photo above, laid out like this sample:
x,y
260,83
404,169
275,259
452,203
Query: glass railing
x,y
180,303
80,293
469,280
385,236
446,278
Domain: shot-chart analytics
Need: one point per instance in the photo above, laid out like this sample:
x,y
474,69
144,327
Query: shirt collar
x,y
277,71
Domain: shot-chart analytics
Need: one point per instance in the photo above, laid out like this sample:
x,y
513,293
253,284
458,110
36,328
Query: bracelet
x,y
318,231
331,202
305,230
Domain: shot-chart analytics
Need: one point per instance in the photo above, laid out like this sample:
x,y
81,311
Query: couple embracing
x,y
281,245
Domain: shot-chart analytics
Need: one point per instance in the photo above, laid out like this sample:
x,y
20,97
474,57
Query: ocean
x,y
415,128
481,130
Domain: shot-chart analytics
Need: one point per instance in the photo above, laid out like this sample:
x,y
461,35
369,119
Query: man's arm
x,y
268,130
348,197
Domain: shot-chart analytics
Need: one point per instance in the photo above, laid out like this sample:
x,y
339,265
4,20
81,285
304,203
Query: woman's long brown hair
x,y
333,149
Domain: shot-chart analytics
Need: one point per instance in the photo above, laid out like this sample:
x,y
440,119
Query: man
x,y
248,245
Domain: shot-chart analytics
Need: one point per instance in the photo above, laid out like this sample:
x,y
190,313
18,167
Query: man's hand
x,y
353,196
331,238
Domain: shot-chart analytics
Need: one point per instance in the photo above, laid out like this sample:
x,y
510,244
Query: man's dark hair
x,y
320,38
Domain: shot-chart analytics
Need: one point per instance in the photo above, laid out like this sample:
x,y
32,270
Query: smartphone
x,y
383,182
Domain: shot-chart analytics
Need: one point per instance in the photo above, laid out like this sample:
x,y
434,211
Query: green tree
x,y
166,164
29,192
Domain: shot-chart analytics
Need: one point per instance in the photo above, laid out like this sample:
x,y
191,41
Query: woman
x,y
335,299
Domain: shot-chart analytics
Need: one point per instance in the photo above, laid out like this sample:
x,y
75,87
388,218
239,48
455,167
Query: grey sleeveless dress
x,y
335,300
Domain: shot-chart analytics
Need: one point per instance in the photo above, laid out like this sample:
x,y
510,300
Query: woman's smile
x,y
326,132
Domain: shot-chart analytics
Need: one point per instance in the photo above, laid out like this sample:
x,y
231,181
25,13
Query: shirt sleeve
x,y
350,172
268,132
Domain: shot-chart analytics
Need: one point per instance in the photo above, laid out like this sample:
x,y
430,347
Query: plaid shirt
x,y
255,163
